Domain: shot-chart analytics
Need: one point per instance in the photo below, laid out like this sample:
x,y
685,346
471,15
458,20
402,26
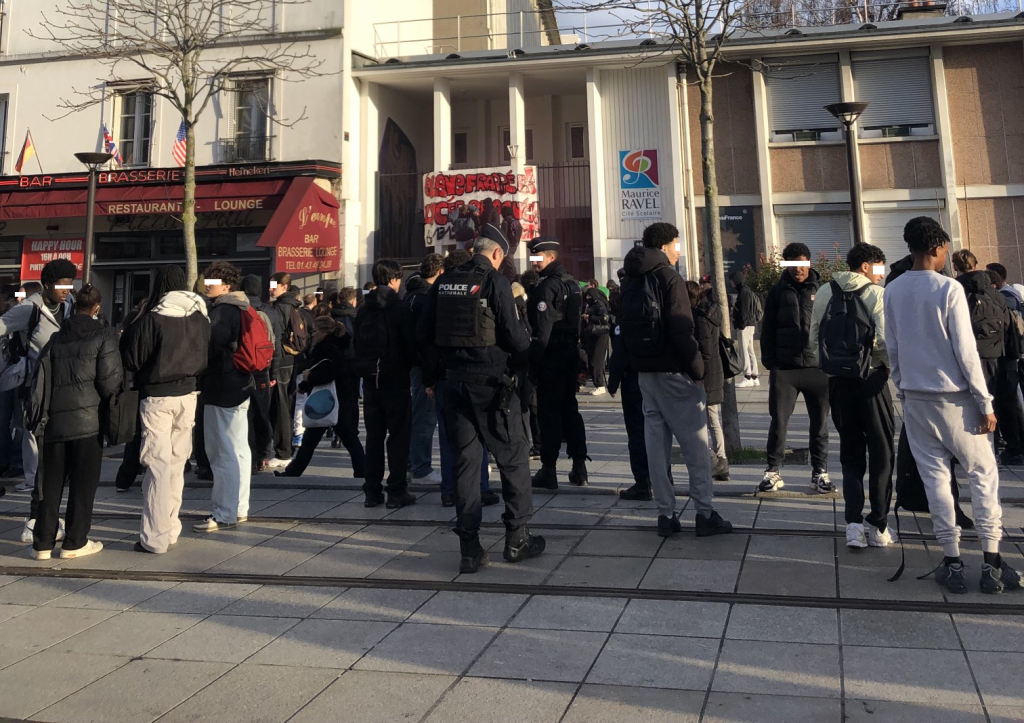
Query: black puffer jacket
x,y
222,384
85,368
786,329
707,317
991,321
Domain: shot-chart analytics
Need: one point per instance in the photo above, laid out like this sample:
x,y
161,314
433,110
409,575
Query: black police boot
x,y
474,556
578,475
546,478
641,491
521,545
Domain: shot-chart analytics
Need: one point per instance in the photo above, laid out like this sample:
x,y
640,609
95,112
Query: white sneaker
x,y
745,383
276,463
771,482
434,478
24,487
41,555
30,526
598,392
757,381
855,536
90,548
877,538
211,525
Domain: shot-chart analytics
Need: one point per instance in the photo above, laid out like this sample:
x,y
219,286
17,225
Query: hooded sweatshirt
x,y
167,346
872,297
18,318
223,385
681,353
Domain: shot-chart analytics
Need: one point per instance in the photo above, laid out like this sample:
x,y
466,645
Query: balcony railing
x,y
246,149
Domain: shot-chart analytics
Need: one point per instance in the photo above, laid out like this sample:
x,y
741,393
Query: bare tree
x,y
187,52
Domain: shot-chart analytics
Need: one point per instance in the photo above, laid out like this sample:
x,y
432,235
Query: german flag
x,y
27,151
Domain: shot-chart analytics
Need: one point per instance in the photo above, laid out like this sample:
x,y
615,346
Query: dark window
x,y
460,147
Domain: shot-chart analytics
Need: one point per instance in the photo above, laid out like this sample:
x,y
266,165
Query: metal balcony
x,y
246,149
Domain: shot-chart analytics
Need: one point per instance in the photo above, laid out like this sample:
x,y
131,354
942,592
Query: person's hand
x,y
273,383
988,424
430,392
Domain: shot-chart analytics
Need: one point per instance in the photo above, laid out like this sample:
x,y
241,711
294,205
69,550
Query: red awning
x,y
143,200
304,229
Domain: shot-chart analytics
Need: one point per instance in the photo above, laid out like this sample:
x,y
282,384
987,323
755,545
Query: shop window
x,y
249,101
506,141
135,126
898,89
797,96
209,244
460,147
115,248
577,145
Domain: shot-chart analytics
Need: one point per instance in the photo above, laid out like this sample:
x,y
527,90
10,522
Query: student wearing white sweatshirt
x,y
947,409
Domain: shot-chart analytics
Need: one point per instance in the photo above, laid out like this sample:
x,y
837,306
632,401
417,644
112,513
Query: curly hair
x,y
924,234
229,274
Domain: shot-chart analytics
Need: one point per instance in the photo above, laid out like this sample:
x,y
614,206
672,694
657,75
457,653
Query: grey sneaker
x,y
951,577
771,482
995,580
822,483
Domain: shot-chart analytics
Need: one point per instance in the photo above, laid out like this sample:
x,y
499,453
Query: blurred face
x,y
673,250
58,292
542,260
277,289
799,274
874,270
215,290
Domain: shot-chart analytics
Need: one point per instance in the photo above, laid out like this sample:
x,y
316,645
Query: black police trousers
x,y
633,416
471,416
559,415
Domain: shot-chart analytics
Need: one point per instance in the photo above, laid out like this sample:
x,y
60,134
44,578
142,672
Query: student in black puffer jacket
x,y
707,320
597,338
85,370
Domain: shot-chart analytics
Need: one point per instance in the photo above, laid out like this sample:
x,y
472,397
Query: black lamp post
x,y
847,114
93,161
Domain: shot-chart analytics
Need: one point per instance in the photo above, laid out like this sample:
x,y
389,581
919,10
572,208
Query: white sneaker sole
x,y
89,549
778,486
856,544
41,555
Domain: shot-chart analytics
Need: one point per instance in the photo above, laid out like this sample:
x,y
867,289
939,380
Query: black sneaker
x,y
1011,460
403,500
488,499
546,479
336,443
951,577
447,500
373,500
204,473
999,579
638,492
139,547
668,526
578,476
521,545
474,556
534,452
714,525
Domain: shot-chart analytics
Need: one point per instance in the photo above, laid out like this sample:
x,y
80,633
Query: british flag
x,y
180,145
110,145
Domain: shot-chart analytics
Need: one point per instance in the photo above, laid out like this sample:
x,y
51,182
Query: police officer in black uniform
x,y
556,308
471,319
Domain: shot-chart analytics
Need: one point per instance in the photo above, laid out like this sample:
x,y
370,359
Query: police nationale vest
x,y
463,319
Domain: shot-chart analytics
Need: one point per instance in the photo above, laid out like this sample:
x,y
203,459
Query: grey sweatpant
x,y
675,406
937,429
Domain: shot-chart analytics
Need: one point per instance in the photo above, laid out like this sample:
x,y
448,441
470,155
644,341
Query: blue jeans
x,y
447,458
424,420
227,444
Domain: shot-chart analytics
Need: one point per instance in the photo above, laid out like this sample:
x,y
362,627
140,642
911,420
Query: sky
x,y
594,19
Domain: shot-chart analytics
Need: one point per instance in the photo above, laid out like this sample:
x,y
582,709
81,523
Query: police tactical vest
x,y
463,319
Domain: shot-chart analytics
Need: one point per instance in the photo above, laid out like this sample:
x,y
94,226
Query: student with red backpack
x,y
239,346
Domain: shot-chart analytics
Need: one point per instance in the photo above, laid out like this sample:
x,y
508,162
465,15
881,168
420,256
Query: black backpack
x,y
987,322
846,335
296,332
371,342
639,318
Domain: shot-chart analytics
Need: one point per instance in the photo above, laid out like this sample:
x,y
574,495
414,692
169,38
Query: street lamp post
x,y
92,161
847,114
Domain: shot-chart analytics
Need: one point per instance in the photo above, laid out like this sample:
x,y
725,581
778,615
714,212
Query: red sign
x,y
305,230
37,252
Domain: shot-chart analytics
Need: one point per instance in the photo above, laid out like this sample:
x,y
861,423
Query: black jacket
x,y
618,363
786,329
223,385
166,348
598,319
744,312
681,353
346,314
551,344
417,289
85,368
276,332
328,363
979,282
707,316
401,352
283,305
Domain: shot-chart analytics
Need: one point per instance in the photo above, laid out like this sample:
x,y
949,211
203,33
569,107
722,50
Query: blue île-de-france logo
x,y
638,169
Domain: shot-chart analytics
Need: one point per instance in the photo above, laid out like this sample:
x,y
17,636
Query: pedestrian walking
x,y
597,329
261,429
294,341
707,321
746,313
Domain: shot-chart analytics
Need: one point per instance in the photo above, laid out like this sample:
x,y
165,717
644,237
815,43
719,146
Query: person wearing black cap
x,y
470,317
556,308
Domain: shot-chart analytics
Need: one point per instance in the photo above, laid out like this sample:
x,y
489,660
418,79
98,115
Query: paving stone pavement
x,y
331,612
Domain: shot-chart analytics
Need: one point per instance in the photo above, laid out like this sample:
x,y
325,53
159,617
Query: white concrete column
x,y
676,120
848,94
442,124
762,133
352,182
945,132
693,250
517,137
598,167
359,256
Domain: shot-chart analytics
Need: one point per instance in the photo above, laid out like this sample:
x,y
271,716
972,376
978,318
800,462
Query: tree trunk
x,y
713,242
188,206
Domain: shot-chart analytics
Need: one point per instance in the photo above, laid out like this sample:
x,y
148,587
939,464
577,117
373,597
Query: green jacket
x,y
872,297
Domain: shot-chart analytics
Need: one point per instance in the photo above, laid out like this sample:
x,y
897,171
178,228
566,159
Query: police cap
x,y
544,243
492,232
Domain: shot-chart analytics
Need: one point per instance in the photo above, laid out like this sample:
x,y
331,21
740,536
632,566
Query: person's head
x,y
529,279
868,261
456,258
226,276
431,267
323,327
387,272
694,291
664,237
251,285
611,284
491,244
543,252
928,243
321,310
88,300
309,300
506,212
57,278
998,272
369,286
518,292
738,278
964,261
347,296
279,284
168,278
798,252
30,288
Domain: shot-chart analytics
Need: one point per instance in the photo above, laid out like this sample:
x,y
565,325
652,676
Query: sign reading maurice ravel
x,y
639,185
445,191
37,252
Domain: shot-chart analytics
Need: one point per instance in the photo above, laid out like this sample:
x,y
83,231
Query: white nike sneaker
x,y
855,536
877,538
30,525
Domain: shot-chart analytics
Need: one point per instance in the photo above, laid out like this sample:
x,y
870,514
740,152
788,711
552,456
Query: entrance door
x,y
130,287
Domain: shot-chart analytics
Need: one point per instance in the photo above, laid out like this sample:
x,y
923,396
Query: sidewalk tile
x,y
991,632
936,677
1003,714
40,590
40,628
323,644
44,679
876,711
621,704
142,690
540,655
475,699
745,708
372,697
624,572
999,677
113,594
655,661
469,608
782,624
896,629
129,634
196,597
670,617
529,572
778,669
11,611
720,547
417,648
274,557
873,584
253,694
554,612
624,543
283,601
223,638
415,564
370,604
812,551
702,575
355,560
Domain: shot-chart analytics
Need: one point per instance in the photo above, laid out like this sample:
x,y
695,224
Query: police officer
x,y
556,308
470,317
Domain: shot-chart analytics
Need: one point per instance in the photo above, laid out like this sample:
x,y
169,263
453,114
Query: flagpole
x,y
35,150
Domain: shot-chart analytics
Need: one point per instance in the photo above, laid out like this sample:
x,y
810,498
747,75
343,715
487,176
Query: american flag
x,y
111,146
180,145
